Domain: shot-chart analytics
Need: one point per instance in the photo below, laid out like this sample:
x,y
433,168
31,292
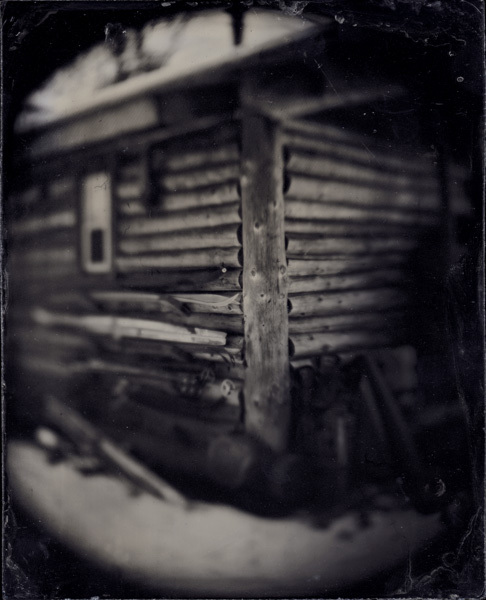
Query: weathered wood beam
x,y
265,283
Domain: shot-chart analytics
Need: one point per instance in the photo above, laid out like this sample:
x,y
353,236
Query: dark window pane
x,y
97,245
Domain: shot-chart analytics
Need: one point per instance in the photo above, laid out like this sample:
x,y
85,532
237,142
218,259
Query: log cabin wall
x,y
156,339
152,346
355,216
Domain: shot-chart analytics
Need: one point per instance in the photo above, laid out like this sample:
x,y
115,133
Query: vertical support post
x,y
265,283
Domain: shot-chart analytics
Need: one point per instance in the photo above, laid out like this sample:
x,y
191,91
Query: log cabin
x,y
217,270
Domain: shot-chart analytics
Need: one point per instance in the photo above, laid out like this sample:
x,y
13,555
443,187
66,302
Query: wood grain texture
x,y
265,284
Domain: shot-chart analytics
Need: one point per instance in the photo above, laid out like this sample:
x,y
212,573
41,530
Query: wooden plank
x,y
367,279
344,264
355,321
265,284
329,168
219,237
190,259
119,327
208,280
306,188
222,322
317,344
191,180
303,305
184,219
226,193
357,153
347,211
182,303
300,247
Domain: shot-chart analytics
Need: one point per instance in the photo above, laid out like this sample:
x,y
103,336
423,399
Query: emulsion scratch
x,y
319,66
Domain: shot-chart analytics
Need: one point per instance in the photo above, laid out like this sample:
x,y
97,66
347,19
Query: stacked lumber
x,y
354,217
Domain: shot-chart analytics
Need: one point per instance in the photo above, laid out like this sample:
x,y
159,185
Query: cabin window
x,y
96,223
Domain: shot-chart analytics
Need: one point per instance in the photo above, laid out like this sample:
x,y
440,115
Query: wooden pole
x,y
265,283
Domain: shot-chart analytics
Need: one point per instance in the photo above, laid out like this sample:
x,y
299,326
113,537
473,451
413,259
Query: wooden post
x,y
265,283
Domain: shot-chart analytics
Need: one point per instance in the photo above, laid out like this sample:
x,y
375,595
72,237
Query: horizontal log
x,y
227,303
46,223
344,265
183,303
200,217
208,157
346,322
209,280
359,154
119,327
191,259
306,188
333,343
202,178
130,190
316,132
304,305
321,246
226,193
368,279
345,211
335,169
219,237
348,228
